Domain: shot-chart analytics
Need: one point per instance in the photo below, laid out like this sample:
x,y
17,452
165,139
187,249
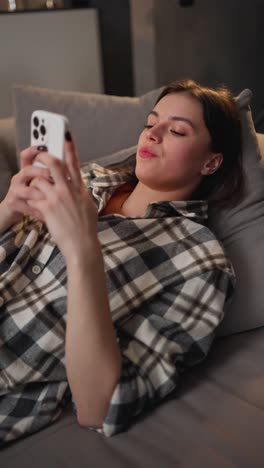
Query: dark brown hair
x,y
222,120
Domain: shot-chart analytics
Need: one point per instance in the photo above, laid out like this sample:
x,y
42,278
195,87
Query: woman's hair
x,y
222,120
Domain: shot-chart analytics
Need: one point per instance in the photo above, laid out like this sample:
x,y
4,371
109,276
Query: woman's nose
x,y
155,134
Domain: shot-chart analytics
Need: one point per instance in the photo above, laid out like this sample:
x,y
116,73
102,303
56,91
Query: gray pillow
x,y
241,229
101,124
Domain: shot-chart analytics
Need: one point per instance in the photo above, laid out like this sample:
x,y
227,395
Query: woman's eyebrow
x,y
175,117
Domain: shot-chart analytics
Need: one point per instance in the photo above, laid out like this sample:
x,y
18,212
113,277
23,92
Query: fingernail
x,y
42,148
68,136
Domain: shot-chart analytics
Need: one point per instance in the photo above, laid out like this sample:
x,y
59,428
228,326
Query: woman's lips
x,y
146,153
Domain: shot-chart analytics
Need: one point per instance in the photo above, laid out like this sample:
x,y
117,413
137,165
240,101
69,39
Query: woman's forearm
x,y
93,359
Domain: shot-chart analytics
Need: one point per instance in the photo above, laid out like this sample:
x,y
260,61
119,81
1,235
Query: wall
x,y
212,41
59,50
114,25
143,45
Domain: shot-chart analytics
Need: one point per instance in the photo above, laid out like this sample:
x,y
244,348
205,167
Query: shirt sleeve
x,y
161,340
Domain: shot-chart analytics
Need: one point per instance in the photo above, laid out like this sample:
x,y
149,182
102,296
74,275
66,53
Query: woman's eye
x,y
174,132
177,133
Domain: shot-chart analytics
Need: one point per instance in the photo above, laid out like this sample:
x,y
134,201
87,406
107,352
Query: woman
x,y
143,283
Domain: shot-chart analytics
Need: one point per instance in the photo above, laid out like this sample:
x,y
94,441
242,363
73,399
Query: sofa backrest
x,y
100,123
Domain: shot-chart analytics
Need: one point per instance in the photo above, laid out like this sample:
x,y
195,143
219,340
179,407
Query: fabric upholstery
x,y
101,124
216,420
240,228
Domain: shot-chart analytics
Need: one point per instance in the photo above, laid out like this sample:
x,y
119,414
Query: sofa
x,y
215,418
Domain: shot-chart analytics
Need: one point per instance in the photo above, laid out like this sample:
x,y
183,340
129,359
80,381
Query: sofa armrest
x,y
8,160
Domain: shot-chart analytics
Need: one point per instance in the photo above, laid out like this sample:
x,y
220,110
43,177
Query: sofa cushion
x,y
215,420
101,124
240,228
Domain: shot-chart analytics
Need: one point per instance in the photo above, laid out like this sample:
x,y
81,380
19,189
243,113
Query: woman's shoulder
x,y
205,248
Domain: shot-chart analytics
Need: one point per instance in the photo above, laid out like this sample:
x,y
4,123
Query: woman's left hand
x,y
67,208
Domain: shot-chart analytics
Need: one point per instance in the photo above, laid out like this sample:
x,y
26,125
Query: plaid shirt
x,y
167,278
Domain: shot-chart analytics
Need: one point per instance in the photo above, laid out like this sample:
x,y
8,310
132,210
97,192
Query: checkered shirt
x,y
167,278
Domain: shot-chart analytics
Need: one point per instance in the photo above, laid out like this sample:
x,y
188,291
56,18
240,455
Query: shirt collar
x,y
105,180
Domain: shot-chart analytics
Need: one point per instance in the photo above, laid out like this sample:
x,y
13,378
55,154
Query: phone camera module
x,y
43,130
36,134
36,121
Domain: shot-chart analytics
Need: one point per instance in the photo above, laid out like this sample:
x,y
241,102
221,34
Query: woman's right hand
x,y
14,205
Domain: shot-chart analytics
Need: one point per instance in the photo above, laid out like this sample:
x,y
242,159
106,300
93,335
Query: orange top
x,y
117,200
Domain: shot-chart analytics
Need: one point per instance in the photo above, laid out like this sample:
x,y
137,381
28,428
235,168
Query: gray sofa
x,y
216,416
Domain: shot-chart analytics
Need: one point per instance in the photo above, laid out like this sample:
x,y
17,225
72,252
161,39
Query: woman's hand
x,y
15,205
66,208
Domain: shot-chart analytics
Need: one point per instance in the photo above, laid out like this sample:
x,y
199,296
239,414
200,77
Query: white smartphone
x,y
48,129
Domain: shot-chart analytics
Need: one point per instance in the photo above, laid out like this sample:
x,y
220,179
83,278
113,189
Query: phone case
x,y
48,129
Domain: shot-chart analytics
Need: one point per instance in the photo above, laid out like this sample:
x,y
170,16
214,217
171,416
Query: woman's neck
x,y
137,202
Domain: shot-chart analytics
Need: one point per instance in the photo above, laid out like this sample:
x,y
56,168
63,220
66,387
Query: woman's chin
x,y
146,168
149,180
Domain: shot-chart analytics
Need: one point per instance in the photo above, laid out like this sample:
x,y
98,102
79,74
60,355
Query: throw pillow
x,y
101,124
240,229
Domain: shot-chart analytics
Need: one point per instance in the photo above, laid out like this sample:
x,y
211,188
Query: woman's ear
x,y
212,164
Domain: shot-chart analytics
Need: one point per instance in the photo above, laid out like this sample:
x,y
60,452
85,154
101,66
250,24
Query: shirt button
x,y
36,269
1,301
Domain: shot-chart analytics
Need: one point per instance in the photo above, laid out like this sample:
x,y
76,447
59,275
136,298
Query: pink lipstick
x,y
146,153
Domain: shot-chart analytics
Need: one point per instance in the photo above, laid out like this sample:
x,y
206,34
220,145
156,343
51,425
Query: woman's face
x,y
174,149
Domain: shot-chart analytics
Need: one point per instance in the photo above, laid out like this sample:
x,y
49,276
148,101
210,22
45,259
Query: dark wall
x,y
114,24
214,42
115,32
